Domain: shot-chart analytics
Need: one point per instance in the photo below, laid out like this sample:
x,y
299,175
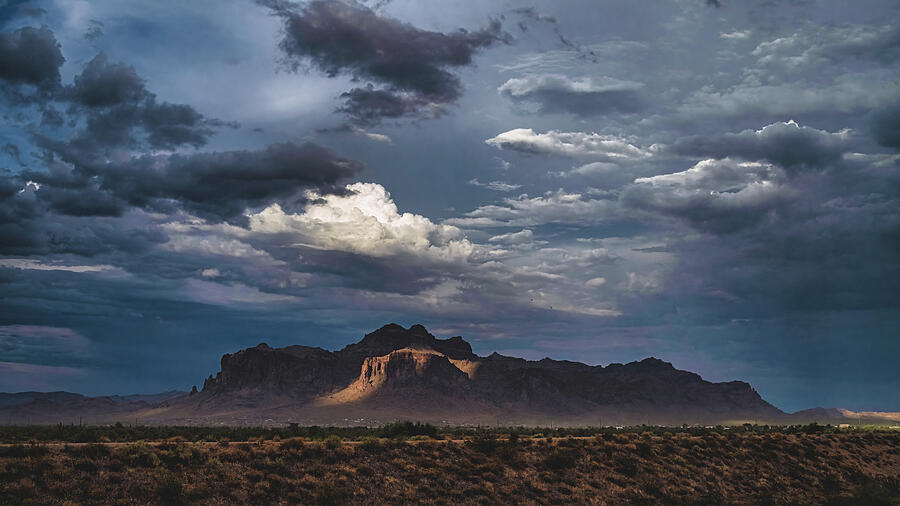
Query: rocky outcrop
x,y
299,372
404,374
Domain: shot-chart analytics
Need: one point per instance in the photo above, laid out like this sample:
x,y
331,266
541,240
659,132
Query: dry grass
x,y
627,468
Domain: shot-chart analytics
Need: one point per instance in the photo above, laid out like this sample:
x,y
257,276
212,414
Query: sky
x,y
712,183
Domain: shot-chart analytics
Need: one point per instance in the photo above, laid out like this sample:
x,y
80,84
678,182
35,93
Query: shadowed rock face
x,y
411,371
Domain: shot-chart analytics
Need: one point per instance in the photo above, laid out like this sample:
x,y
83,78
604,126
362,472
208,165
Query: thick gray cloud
x,y
105,84
115,105
368,106
721,197
30,56
821,46
886,126
217,185
786,144
78,198
586,96
411,64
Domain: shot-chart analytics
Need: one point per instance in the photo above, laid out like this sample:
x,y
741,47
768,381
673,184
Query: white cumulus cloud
x,y
571,144
364,221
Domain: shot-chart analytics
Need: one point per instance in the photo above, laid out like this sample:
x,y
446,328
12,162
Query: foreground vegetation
x,y
129,433
407,462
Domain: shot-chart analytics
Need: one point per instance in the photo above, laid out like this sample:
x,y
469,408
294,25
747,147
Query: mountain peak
x,y
418,329
392,337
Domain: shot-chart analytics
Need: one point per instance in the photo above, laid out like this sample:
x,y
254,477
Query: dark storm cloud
x,y
583,97
81,195
30,56
805,258
368,105
811,241
29,227
217,185
886,126
115,104
789,145
411,64
105,84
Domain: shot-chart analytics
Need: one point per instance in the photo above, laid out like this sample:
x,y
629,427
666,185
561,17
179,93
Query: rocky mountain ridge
x,y
413,373
397,373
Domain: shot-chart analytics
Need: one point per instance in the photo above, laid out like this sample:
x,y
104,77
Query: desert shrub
x,y
253,476
626,465
294,443
643,449
484,442
16,451
872,493
169,488
140,454
176,454
86,465
509,454
559,459
370,445
640,498
333,442
712,497
332,494
831,484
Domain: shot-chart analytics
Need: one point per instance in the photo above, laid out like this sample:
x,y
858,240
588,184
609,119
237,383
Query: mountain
x,y
67,407
397,373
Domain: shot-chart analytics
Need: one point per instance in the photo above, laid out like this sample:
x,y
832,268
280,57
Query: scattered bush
x,y
333,442
626,465
652,466
294,443
561,459
139,454
484,442
332,494
169,488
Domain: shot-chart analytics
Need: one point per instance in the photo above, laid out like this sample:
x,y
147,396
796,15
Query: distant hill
x,y
397,373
